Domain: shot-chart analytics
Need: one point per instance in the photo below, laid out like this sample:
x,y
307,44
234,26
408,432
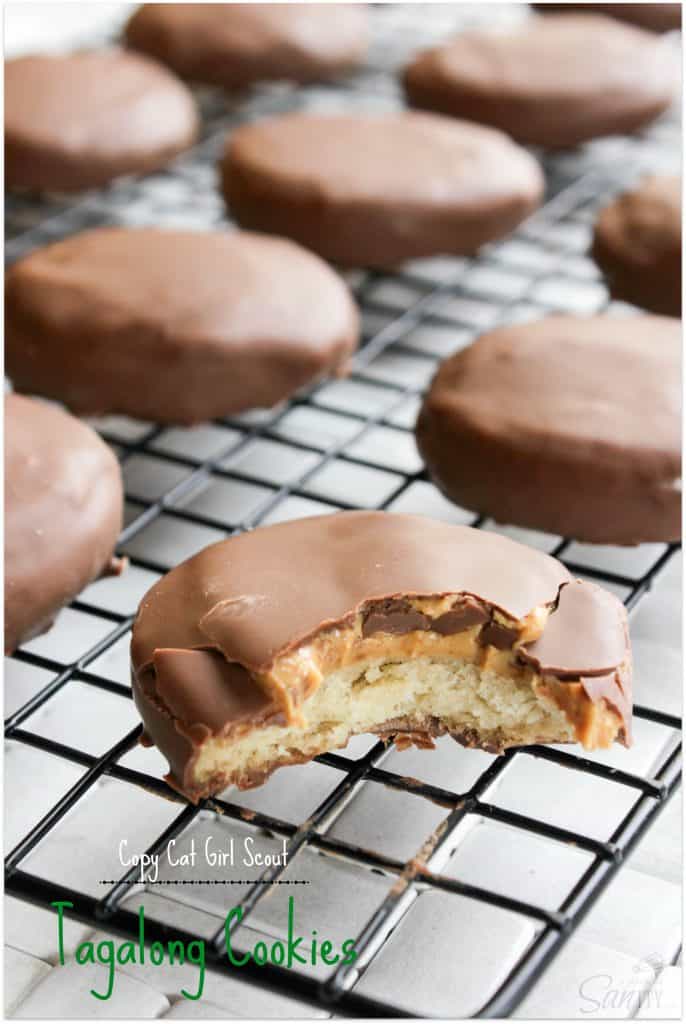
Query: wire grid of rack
x,y
411,318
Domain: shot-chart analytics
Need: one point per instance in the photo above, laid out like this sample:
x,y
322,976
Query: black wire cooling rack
x,y
522,276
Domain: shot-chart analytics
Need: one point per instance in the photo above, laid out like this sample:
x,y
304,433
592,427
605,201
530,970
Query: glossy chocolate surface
x,y
77,121
377,189
551,82
63,512
251,598
571,425
174,326
247,605
235,45
637,245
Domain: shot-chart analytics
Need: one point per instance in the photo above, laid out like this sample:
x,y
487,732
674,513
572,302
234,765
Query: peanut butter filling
x,y
401,629
412,685
277,645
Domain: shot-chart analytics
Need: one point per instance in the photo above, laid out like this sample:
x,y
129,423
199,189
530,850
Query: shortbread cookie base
x,y
411,702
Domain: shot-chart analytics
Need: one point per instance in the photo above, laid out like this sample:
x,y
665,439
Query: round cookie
x,y
553,82
567,425
375,190
235,45
658,17
173,326
637,245
78,121
63,513
410,629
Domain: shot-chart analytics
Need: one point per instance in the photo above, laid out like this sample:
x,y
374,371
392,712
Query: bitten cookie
x,y
235,45
174,326
378,189
78,121
553,82
637,245
658,17
568,425
63,513
410,628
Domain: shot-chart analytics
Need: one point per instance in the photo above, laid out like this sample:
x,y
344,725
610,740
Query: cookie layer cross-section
x,y
272,647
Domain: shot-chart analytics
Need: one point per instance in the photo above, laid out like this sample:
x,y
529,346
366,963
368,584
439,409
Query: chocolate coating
x,y
63,512
637,245
553,82
222,692
658,17
584,610
174,326
498,636
235,45
378,189
246,597
78,121
468,613
395,616
206,628
569,425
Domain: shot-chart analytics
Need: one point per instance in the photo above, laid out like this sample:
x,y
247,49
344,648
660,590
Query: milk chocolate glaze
x,y
235,45
206,627
658,17
552,82
78,121
570,425
583,610
498,636
395,616
174,326
637,245
63,512
377,189
462,616
222,691
250,598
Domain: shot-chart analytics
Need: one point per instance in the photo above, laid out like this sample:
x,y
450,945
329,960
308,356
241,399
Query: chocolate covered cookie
x,y
410,628
567,425
637,245
78,121
63,512
235,45
174,326
658,17
551,82
378,189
